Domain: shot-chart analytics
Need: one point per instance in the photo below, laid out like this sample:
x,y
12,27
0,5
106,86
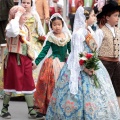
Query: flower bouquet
x,y
90,61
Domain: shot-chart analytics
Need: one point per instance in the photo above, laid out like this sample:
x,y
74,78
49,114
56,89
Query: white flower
x,y
83,58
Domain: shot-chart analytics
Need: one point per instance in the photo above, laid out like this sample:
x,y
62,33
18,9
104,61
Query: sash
x,y
91,42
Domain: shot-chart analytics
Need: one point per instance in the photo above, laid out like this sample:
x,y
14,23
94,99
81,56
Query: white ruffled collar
x,y
59,41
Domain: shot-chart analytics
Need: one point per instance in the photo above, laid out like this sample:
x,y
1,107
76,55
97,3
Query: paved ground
x,y
18,110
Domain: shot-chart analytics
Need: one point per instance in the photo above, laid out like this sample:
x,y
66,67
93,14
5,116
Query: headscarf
x,y
64,29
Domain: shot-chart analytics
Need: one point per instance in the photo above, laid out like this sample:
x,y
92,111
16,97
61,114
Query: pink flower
x,y
81,62
88,55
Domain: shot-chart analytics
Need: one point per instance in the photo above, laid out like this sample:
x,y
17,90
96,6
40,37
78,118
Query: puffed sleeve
x,y
12,29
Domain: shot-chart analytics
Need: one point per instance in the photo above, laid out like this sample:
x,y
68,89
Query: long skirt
x,y
90,103
46,82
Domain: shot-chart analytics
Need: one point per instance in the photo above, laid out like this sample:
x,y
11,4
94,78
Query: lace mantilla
x,y
77,46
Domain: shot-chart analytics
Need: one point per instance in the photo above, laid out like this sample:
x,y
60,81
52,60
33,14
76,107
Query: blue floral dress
x,y
90,103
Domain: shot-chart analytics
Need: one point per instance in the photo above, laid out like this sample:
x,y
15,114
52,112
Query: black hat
x,y
110,7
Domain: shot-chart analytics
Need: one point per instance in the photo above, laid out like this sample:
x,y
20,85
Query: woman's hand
x,y
33,66
89,71
47,20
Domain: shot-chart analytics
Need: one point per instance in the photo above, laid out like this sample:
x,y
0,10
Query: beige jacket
x,y
42,9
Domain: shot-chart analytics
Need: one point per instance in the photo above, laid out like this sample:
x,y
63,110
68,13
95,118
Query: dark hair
x,y
101,21
111,12
56,18
31,2
87,11
96,9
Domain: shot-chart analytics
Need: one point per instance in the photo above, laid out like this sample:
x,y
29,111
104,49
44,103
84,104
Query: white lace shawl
x,y
76,48
73,60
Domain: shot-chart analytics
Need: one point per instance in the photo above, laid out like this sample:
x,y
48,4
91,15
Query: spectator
x,y
43,10
73,5
5,6
16,2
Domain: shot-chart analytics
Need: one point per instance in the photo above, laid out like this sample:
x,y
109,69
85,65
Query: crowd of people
x,y
63,74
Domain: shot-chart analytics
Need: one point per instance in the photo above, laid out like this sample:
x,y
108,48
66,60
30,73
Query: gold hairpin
x,y
86,12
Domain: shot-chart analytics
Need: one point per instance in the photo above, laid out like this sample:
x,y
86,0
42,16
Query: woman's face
x,y
92,18
26,4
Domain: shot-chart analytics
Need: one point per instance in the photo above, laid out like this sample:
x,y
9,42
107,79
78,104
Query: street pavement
x,y
17,109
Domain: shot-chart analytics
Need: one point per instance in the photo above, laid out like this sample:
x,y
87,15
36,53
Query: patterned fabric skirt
x,y
113,69
18,78
90,103
46,82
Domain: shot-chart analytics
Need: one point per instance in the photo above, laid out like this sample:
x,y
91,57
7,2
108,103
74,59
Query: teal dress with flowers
x,y
90,103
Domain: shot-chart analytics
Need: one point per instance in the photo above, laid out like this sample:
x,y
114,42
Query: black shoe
x,y
5,115
36,116
40,116
4,112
